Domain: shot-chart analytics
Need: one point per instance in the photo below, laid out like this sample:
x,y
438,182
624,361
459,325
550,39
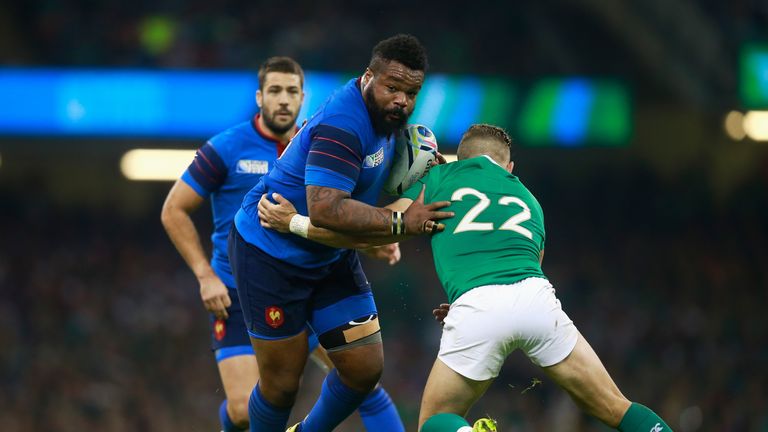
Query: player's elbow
x,y
168,214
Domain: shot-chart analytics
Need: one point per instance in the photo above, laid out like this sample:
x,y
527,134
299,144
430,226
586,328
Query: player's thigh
x,y
344,314
448,392
584,377
345,318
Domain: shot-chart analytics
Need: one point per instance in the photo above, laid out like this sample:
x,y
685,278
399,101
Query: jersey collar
x,y
267,135
492,161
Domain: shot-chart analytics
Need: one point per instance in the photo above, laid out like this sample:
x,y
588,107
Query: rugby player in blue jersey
x,y
333,171
225,168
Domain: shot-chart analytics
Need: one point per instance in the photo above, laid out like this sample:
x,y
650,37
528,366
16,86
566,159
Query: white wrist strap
x,y
299,225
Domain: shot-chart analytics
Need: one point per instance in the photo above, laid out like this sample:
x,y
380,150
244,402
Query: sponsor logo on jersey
x,y
219,329
657,428
375,159
274,316
247,166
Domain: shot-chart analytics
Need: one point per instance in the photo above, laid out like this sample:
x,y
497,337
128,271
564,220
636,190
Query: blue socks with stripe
x,y
226,422
379,413
264,416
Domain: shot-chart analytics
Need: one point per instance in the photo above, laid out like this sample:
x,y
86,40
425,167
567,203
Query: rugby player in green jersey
x,y
488,258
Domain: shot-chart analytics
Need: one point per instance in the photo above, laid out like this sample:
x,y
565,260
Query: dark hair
x,y
280,64
402,48
485,139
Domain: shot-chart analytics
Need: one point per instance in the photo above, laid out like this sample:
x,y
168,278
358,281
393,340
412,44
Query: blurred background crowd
x,y
658,250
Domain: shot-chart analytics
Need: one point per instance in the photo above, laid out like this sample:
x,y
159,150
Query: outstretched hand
x,y
420,218
276,216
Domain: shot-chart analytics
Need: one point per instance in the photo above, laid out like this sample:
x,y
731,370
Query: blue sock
x,y
226,422
264,416
379,413
336,403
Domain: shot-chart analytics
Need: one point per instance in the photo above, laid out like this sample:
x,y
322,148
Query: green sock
x,y
639,418
445,422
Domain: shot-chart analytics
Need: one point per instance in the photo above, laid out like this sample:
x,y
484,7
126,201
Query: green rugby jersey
x,y
497,233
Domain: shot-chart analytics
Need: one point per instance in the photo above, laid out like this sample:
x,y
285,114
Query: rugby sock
x,y
639,418
336,403
445,422
264,416
379,413
226,422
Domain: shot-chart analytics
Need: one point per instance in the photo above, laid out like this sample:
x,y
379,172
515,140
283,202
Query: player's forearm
x,y
346,215
348,241
185,238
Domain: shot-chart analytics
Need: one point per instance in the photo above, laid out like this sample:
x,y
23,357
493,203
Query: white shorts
x,y
487,323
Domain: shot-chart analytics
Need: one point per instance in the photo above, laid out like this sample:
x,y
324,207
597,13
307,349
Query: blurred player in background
x,y
488,260
333,172
225,169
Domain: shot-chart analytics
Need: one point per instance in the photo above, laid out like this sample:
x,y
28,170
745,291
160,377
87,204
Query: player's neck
x,y
269,133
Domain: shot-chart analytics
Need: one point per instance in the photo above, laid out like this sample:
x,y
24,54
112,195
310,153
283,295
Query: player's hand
x,y
420,218
439,160
441,312
276,216
215,296
389,253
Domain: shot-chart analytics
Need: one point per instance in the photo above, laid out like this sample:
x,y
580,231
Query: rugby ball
x,y
415,150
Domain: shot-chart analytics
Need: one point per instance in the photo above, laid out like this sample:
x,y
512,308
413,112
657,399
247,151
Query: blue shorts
x,y
279,299
229,337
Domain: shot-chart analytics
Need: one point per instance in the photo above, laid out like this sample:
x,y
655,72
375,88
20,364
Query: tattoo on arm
x,y
336,210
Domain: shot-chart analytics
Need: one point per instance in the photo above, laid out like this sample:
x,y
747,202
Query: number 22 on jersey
x,y
468,223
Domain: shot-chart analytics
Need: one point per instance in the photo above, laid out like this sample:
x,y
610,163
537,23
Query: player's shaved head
x,y
280,64
402,48
485,139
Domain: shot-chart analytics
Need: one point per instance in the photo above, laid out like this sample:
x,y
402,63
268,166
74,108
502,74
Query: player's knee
x,y
238,410
279,388
355,348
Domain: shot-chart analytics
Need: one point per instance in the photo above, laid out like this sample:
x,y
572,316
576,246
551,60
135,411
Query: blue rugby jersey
x,y
226,168
337,148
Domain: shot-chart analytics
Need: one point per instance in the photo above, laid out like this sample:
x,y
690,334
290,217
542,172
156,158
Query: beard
x,y
278,128
381,124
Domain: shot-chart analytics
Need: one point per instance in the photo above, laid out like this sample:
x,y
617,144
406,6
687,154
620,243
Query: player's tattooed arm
x,y
335,209
277,215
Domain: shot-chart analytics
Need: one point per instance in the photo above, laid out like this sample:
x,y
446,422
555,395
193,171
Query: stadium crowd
x,y
102,329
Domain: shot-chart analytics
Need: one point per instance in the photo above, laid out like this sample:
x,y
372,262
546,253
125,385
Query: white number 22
x,y
468,223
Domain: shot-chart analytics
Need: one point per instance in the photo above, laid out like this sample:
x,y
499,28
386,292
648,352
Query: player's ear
x,y
367,77
510,166
259,98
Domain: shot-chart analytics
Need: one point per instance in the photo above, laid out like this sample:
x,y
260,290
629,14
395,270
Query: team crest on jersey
x,y
274,316
375,159
219,329
246,166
